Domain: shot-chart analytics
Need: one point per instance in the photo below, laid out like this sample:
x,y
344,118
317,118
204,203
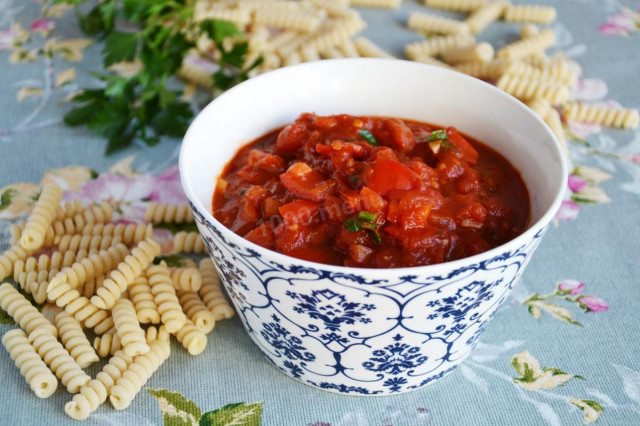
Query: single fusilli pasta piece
x,y
211,292
186,279
107,343
9,257
168,213
41,380
85,242
556,73
530,13
521,48
204,11
481,52
436,45
156,333
127,271
332,53
196,310
89,267
348,49
171,314
97,390
368,49
485,15
492,70
601,115
540,106
433,24
552,118
137,374
299,21
74,340
69,209
23,312
188,242
192,338
42,216
527,89
90,287
15,229
337,32
383,4
129,233
528,30
30,282
58,359
131,335
309,54
456,5
140,295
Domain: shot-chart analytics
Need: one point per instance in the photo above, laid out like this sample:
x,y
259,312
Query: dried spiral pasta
x,y
552,118
15,229
42,216
192,338
433,24
67,297
69,209
9,257
30,283
528,30
132,336
127,271
384,4
203,11
186,279
171,314
107,344
485,15
137,374
188,242
44,262
601,115
90,287
23,312
540,106
527,89
431,61
85,242
168,213
481,52
196,310
90,267
368,49
556,73
129,233
530,13
491,70
211,292
536,43
58,359
95,393
456,5
41,380
140,295
156,333
436,45
336,33
299,21
74,340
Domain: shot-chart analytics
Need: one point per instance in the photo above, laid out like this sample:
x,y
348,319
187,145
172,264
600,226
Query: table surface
x,y
592,360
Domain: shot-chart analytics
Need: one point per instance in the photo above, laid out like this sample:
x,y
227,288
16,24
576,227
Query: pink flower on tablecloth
x,y
621,24
590,89
568,210
593,303
14,36
583,130
570,287
577,184
42,25
167,188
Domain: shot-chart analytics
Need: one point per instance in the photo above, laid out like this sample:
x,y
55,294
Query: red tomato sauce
x,y
373,192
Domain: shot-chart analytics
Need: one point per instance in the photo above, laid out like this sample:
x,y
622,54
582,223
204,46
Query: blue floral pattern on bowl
x,y
362,333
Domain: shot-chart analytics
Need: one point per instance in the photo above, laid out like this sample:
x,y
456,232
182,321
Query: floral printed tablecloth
x,y
563,350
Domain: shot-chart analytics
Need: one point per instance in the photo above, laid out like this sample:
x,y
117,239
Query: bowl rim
x,y
532,230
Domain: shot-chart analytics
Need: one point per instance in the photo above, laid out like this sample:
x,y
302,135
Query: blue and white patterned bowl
x,y
368,331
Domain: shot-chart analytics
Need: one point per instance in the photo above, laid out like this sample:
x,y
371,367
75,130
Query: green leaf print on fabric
x,y
180,411
591,409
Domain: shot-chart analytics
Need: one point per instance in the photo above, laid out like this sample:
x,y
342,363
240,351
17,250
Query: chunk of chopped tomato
x,y
470,154
263,236
411,209
299,211
402,137
291,138
387,175
307,183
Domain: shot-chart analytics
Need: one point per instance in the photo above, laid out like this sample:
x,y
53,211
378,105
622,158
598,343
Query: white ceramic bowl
x,y
368,331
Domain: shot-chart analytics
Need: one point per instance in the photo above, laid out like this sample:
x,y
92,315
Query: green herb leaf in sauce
x,y
364,220
438,135
366,135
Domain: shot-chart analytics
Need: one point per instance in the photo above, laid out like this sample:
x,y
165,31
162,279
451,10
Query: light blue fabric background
x,y
600,248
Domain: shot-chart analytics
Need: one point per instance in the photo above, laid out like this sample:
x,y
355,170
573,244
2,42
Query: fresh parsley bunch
x,y
158,34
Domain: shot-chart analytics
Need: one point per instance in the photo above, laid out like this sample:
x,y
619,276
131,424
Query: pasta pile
x,y
101,275
286,32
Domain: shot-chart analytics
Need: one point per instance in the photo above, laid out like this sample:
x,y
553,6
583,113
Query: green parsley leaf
x,y
438,135
366,135
119,47
365,215
352,224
